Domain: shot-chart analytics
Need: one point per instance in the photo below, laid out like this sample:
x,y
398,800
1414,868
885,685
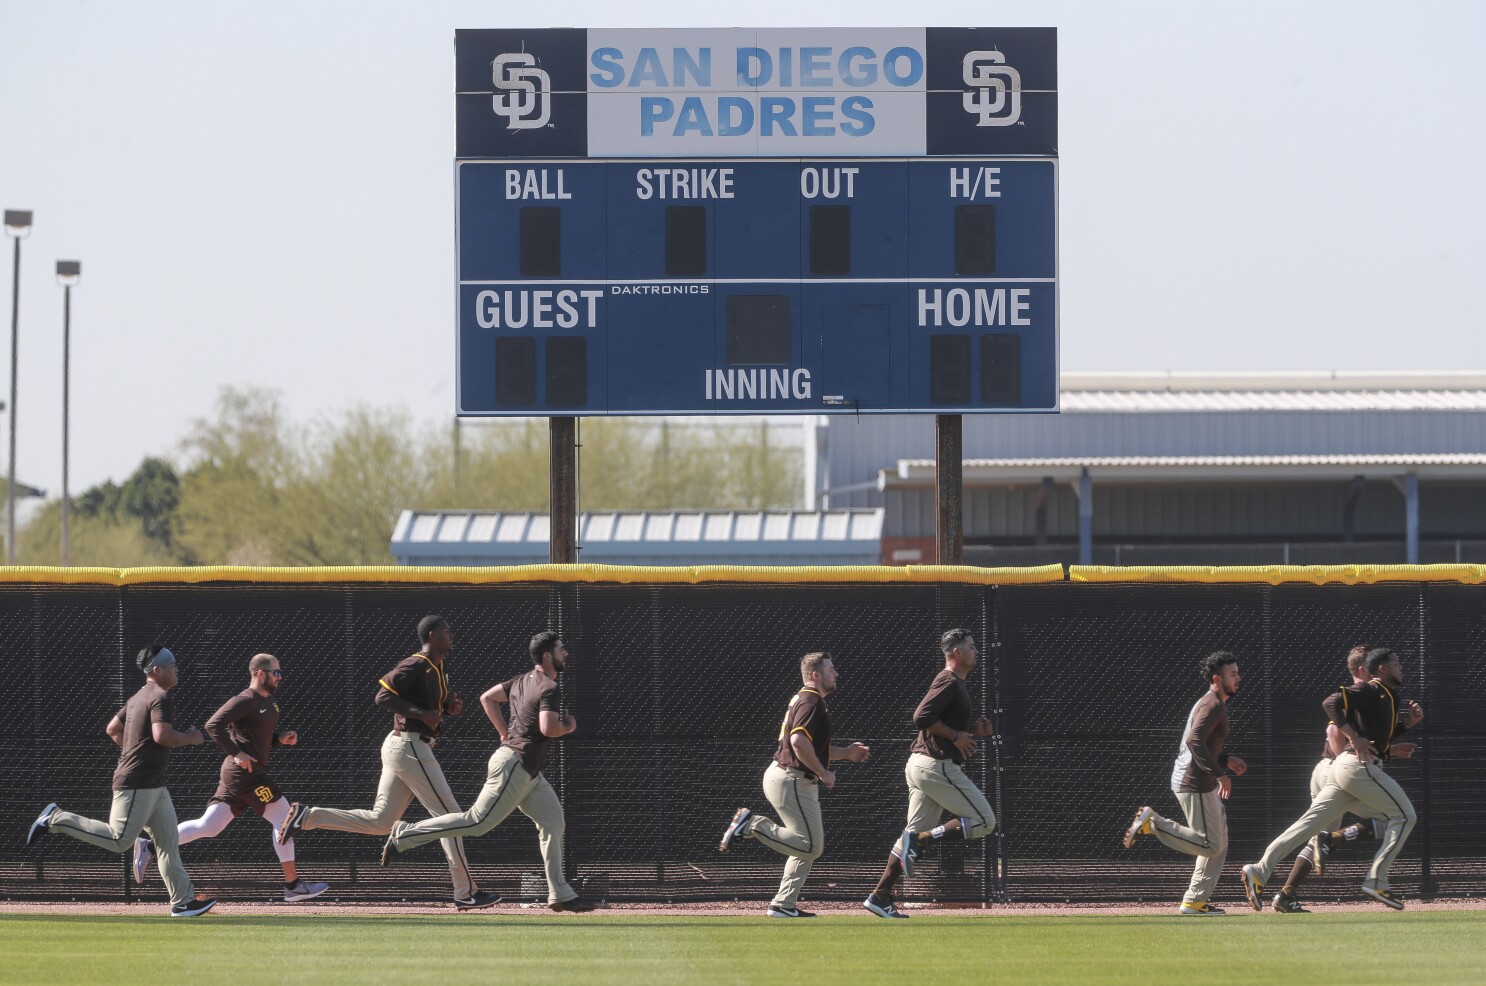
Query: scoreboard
x,y
756,221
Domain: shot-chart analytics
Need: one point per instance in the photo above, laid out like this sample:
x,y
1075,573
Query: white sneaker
x,y
144,851
43,823
908,851
1141,825
735,828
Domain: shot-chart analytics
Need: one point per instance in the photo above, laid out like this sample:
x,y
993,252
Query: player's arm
x,y
218,727
1335,741
799,741
928,718
115,728
165,734
491,702
550,720
389,696
1336,706
162,726
1202,756
856,752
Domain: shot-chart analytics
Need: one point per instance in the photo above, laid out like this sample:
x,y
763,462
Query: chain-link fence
x,y
679,691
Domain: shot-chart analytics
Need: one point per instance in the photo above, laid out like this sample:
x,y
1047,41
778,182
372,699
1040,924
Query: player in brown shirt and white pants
x,y
417,694
514,777
245,727
936,783
1201,784
792,785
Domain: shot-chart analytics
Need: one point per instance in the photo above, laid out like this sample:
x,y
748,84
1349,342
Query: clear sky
x,y
261,194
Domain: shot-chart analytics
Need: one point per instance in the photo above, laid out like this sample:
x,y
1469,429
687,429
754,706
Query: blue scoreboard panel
x,y
756,221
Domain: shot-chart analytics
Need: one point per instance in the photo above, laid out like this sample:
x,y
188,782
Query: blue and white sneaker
x,y
303,889
42,825
735,829
908,851
883,909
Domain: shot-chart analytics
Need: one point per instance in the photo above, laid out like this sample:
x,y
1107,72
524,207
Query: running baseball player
x,y
792,785
1313,856
245,729
514,778
1201,783
144,730
1368,715
417,694
936,782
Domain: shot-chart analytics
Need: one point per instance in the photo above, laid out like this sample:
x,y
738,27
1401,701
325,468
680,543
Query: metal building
x,y
1188,468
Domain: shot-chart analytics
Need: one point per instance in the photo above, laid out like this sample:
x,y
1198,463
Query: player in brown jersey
x,y
514,778
791,783
417,694
1314,855
936,783
245,727
1370,715
1200,781
144,730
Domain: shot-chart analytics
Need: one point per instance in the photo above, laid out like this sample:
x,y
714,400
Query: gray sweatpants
x,y
135,810
409,770
508,787
802,837
1205,836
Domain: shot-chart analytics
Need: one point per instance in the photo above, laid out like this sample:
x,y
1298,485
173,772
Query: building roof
x,y
1193,468
714,537
1334,390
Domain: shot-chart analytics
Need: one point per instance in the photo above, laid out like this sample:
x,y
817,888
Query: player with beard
x,y
1368,713
791,783
936,782
1201,784
514,778
245,727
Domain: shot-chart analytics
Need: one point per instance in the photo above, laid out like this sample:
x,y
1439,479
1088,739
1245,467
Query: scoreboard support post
x,y
562,491
949,527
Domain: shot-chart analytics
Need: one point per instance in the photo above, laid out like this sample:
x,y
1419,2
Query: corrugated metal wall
x,y
857,447
1240,510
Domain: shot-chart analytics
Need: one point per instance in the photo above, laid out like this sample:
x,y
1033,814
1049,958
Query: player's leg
x,y
1328,806
1375,789
424,776
1205,815
164,833
127,817
212,823
1194,838
793,835
802,836
506,784
541,805
393,798
946,785
923,813
275,814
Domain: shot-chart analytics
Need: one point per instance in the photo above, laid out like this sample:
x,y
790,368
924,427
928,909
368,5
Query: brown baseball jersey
x,y
142,761
1370,708
947,701
245,724
530,695
1201,760
415,686
807,713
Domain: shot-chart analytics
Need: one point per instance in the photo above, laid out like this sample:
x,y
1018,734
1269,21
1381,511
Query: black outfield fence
x,y
679,688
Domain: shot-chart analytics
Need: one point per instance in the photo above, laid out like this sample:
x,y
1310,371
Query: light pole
x,y
68,272
17,227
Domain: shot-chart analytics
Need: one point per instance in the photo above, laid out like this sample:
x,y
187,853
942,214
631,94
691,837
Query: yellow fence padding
x,y
1281,574
624,574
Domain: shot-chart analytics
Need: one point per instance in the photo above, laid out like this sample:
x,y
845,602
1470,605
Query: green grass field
x,y
1353,947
